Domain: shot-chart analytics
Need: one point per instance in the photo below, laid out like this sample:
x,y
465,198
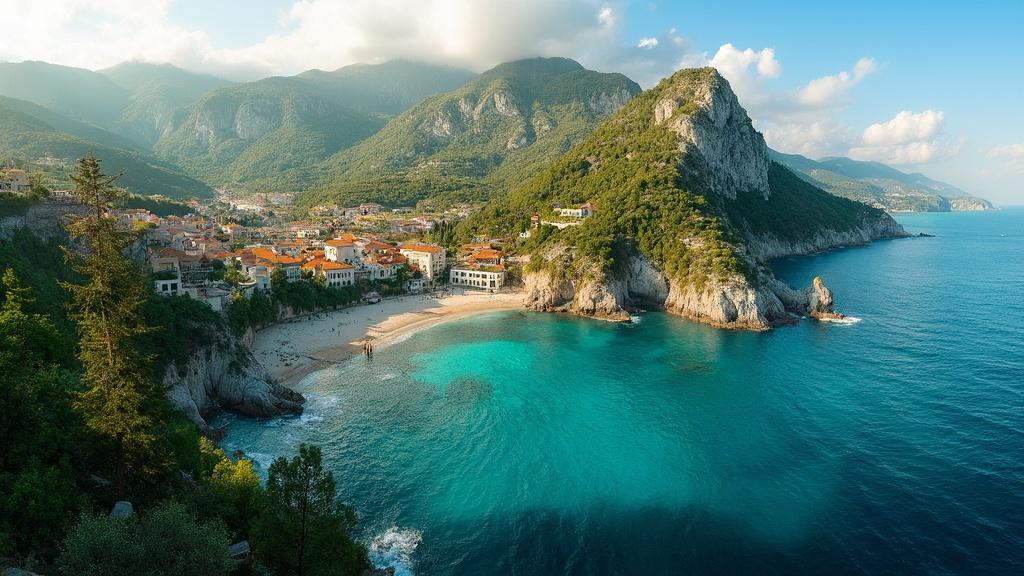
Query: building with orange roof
x,y
335,274
430,258
486,257
341,250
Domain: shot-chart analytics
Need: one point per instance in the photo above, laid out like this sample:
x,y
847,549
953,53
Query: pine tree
x,y
304,530
120,402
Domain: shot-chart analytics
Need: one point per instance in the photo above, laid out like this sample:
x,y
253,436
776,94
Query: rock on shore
x,y
226,375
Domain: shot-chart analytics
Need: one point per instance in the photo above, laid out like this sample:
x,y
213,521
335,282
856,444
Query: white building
x,y
486,277
341,250
584,211
429,257
335,274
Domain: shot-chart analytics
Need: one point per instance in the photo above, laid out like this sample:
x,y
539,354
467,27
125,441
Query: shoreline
x,y
293,349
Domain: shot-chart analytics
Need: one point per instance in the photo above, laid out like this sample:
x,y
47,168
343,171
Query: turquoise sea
x,y
526,443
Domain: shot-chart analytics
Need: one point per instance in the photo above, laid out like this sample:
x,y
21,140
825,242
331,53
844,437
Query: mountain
x,y
880,185
159,98
497,129
73,92
259,129
43,140
688,208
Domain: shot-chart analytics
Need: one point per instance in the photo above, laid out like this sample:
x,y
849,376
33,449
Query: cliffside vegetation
x,y
85,422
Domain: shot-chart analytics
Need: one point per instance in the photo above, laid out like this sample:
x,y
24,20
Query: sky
x,y
935,87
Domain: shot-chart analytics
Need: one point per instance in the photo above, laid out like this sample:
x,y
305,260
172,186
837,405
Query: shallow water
x,y
527,443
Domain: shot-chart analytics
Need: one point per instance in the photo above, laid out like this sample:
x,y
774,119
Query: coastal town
x,y
375,251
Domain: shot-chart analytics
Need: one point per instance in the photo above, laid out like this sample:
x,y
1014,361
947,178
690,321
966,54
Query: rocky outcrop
x,y
732,303
970,204
226,375
719,144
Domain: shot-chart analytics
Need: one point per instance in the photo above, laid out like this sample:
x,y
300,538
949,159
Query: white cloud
x,y
328,34
826,89
908,138
1011,151
647,43
905,128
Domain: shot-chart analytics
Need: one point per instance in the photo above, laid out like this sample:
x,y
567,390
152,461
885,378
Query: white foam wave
x,y
394,548
387,377
263,461
635,318
846,320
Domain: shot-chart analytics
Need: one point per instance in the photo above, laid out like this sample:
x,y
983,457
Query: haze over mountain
x,y
160,95
498,129
879,185
42,140
258,129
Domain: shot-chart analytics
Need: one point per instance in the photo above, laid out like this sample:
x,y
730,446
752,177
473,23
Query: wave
x,y
394,548
846,320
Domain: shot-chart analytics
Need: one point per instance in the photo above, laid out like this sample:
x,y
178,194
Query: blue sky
x,y
926,86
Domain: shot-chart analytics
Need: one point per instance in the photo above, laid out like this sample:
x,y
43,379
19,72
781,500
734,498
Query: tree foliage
x,y
304,529
167,541
121,402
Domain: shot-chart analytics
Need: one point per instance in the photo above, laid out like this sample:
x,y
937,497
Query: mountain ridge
x,y
881,185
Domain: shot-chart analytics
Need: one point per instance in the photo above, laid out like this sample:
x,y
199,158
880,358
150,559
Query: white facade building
x,y
430,258
488,278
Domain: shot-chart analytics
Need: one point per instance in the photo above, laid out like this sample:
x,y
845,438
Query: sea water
x,y
529,443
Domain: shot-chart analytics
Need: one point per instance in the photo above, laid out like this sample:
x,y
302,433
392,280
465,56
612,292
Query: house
x,y
168,287
486,257
335,274
476,276
430,258
370,208
15,180
341,249
584,211
274,261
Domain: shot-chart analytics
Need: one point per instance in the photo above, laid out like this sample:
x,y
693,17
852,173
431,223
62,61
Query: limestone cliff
x,y
226,375
691,236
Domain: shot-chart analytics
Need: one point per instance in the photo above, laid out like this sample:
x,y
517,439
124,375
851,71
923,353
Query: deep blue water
x,y
525,443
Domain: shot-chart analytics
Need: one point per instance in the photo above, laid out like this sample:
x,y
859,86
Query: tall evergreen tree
x,y
121,401
303,530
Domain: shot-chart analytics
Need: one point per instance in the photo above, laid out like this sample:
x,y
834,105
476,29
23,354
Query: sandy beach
x,y
293,349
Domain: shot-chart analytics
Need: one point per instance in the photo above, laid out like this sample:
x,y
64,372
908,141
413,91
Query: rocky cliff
x,y
691,235
226,375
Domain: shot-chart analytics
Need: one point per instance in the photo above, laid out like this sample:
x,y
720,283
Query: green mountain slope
x,y
160,96
74,92
258,129
880,185
688,207
43,140
496,130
